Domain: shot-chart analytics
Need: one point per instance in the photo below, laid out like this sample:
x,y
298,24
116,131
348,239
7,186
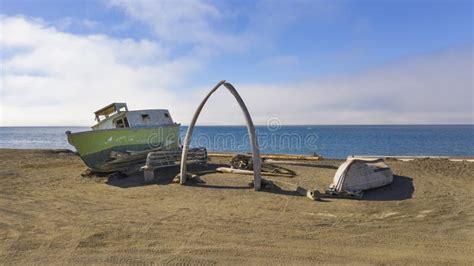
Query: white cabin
x,y
117,115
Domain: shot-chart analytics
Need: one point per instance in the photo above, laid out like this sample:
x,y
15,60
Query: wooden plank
x,y
247,172
271,156
289,162
411,158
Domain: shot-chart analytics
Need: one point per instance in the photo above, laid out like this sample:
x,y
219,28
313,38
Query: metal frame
x,y
250,128
168,158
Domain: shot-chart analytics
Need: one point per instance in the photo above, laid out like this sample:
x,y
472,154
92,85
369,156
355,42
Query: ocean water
x,y
328,141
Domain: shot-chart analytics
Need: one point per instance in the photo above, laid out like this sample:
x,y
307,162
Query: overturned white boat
x,y
356,175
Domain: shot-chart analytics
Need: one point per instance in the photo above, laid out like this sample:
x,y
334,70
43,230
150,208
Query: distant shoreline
x,y
230,154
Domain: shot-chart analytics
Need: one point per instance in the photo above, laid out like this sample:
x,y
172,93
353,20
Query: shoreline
x,y
295,156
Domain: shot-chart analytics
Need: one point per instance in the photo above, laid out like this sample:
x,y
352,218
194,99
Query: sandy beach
x,y
50,214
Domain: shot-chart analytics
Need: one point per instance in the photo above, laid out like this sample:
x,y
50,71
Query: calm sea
x,y
328,141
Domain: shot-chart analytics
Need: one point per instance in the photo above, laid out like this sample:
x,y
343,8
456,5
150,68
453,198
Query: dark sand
x,y
50,214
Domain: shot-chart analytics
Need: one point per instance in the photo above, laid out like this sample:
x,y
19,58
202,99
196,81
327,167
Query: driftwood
x,y
291,157
273,156
311,194
289,162
411,158
245,162
247,172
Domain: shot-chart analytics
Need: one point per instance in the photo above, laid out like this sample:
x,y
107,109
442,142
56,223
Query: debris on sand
x,y
245,162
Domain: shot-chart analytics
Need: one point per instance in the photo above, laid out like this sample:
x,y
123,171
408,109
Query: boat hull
x,y
96,147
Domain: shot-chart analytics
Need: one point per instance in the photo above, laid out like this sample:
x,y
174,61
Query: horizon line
x,y
283,125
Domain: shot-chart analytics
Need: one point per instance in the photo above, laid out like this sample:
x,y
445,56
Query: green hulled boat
x,y
122,138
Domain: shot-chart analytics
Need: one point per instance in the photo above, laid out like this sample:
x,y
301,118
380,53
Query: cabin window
x,y
119,124
122,123
145,116
167,115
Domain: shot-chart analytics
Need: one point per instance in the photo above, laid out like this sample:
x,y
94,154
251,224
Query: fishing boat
x,y
121,137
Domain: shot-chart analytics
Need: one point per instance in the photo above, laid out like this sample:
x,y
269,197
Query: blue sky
x,y
272,50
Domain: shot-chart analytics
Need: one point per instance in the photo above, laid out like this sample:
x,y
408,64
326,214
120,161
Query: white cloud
x,y
181,21
199,23
435,88
51,77
68,22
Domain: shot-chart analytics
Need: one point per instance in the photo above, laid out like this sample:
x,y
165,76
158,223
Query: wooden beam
x,y
248,172
272,156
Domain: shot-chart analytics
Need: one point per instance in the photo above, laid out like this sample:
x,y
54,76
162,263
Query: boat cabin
x,y
117,115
